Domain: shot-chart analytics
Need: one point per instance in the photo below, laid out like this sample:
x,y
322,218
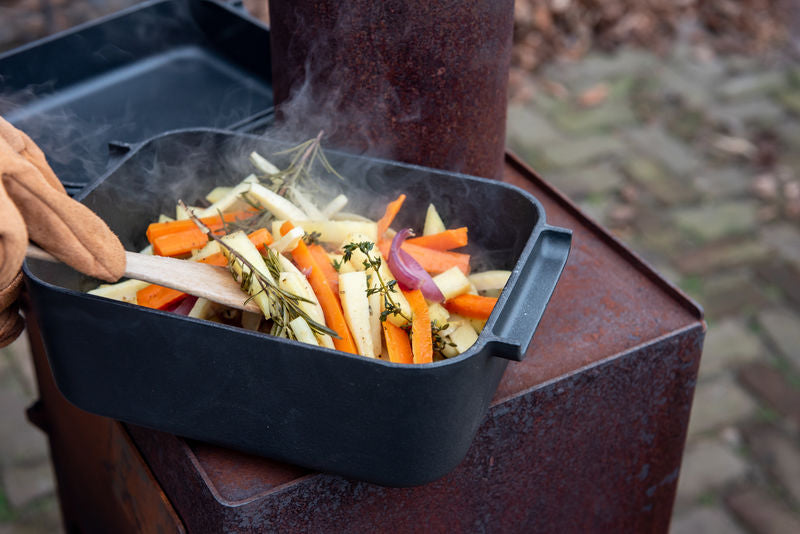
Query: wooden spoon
x,y
207,281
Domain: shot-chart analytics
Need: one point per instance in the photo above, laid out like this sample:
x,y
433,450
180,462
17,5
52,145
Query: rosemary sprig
x,y
390,307
285,305
304,157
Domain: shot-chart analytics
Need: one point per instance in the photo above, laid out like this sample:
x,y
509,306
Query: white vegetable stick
x,y
308,207
239,242
433,223
347,216
464,337
375,327
279,206
489,280
122,291
302,332
202,309
211,248
232,197
334,206
165,218
353,294
332,231
307,291
288,242
438,313
452,283
148,250
217,193
263,164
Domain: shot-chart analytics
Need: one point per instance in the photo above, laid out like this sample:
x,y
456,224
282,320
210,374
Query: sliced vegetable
x,y
217,194
397,344
446,240
202,309
213,222
391,212
464,337
263,164
289,240
452,283
260,238
305,204
230,200
421,338
238,241
124,291
473,306
332,231
489,280
158,297
353,294
325,266
279,206
302,332
334,206
334,316
179,243
409,273
433,261
433,223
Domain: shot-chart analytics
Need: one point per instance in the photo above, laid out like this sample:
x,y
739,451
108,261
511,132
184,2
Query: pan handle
x,y
528,296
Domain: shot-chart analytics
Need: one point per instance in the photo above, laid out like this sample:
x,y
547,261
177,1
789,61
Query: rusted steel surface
x,y
103,484
412,80
584,435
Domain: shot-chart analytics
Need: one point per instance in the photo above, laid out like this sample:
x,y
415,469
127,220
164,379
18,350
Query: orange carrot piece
x,y
446,240
473,306
433,261
179,243
324,263
158,297
218,259
331,308
421,337
391,212
397,343
156,230
261,238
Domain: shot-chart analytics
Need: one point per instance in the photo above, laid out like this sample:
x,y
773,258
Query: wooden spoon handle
x,y
207,281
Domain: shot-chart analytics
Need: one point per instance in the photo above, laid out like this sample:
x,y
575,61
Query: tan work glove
x,y
34,205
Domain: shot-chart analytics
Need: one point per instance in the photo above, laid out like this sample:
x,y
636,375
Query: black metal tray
x,y
158,66
385,423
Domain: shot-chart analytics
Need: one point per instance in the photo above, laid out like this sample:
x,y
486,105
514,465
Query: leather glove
x,y
35,206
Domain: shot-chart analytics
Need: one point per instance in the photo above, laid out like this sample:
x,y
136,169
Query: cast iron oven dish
x,y
372,420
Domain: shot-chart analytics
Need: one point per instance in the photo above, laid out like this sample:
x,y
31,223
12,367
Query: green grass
x,y
6,513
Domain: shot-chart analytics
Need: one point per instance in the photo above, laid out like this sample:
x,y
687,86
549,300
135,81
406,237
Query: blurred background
x,y
676,125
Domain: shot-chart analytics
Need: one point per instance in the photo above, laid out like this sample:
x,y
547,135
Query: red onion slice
x,y
186,305
410,274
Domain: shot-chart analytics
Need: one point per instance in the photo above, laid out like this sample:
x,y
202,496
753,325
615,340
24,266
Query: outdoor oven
x,y
585,434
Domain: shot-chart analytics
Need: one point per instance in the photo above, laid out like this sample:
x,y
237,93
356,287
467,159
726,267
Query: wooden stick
x,y
207,281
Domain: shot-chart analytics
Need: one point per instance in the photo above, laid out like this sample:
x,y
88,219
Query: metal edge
x,y
638,263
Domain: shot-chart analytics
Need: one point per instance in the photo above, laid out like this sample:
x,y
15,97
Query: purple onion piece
x,y
186,305
410,274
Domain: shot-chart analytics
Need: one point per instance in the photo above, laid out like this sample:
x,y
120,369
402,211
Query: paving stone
x,y
783,275
527,127
782,327
732,293
654,178
762,513
19,353
689,89
707,466
771,386
613,114
729,344
785,239
581,151
779,454
24,483
718,256
752,84
717,403
739,115
791,100
716,182
19,440
704,520
595,68
592,180
716,221
41,517
676,156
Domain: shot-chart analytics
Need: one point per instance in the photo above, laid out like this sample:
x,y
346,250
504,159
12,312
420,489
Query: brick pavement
x,y
694,161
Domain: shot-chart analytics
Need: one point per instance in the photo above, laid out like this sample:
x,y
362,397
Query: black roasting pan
x,y
390,424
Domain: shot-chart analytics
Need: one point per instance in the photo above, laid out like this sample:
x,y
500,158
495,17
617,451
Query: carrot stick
x,y
325,265
446,240
331,308
397,343
391,211
473,306
421,337
179,243
218,259
261,238
158,297
156,230
433,261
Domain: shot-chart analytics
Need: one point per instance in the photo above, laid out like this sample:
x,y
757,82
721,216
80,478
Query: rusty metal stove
x,y
585,435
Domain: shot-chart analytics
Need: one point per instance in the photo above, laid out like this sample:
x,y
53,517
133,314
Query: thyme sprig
x,y
385,289
285,306
439,342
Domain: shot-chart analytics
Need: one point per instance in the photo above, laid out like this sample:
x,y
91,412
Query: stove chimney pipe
x,y
419,81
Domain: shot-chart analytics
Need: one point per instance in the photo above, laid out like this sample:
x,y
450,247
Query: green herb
x,y
284,306
312,238
384,288
439,343
300,170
